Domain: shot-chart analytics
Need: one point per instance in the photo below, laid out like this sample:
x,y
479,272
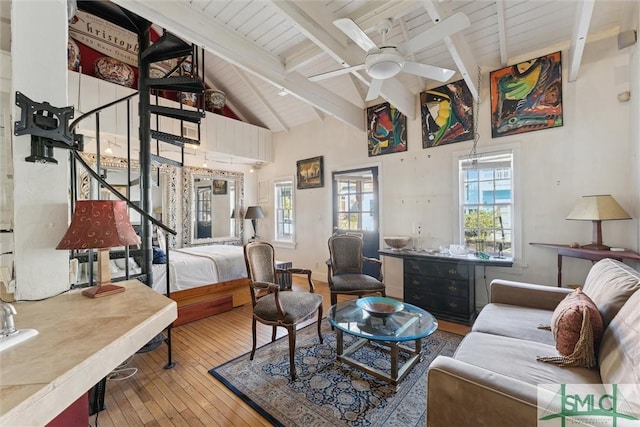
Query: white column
x,y
41,202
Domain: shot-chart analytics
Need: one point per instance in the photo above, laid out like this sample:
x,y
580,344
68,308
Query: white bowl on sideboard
x,y
397,242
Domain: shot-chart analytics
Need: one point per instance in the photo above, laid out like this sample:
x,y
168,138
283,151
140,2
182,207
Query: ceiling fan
x,y
385,61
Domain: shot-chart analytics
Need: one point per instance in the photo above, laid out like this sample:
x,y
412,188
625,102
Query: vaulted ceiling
x,y
260,50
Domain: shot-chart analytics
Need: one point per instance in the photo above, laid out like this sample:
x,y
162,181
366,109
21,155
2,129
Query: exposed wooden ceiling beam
x,y
359,90
188,23
245,79
372,13
319,29
458,49
301,55
579,36
502,32
403,27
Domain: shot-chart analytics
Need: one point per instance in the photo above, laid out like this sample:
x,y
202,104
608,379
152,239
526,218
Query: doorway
x,y
356,209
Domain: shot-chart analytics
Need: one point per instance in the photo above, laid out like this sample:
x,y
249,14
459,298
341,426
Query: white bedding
x,y
198,266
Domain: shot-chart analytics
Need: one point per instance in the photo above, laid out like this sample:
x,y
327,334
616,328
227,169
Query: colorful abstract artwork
x,y
527,96
447,114
387,130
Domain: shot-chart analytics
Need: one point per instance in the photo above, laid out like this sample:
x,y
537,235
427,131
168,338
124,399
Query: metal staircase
x,y
170,47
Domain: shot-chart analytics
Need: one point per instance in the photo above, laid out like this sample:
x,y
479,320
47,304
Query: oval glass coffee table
x,y
391,331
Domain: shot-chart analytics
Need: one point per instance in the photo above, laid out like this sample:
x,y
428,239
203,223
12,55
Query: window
x,y
486,202
284,223
355,203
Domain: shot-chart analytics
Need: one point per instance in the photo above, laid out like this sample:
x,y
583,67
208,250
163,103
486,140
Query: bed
x,y
204,280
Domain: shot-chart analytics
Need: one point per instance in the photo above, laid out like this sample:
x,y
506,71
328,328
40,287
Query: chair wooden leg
x,y
292,349
320,322
253,332
273,333
334,298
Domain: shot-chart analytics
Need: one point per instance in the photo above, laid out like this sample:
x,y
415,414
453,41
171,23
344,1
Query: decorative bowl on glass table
x,y
379,306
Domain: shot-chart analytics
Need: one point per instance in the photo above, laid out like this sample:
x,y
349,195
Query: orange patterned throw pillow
x,y
577,328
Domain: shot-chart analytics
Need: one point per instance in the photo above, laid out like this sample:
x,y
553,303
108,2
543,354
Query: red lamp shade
x,y
100,224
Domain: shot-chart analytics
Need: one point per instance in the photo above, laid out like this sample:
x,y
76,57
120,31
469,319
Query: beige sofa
x,y
492,378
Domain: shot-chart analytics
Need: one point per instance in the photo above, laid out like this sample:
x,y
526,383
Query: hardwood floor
x,y
187,395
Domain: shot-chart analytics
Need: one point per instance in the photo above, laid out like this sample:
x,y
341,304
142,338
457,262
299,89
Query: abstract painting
x,y
387,130
447,114
527,96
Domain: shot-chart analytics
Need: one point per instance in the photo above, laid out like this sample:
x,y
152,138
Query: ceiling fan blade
x,y
428,71
374,89
335,73
446,27
355,33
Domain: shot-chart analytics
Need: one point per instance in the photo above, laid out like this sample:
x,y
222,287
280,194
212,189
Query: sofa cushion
x,y
517,359
620,350
609,284
514,321
577,328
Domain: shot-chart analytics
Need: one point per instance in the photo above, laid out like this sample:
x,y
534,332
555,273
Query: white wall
x,y
590,154
41,204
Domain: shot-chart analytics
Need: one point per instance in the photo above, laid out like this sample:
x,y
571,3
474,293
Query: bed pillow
x,y
577,327
159,256
161,240
120,262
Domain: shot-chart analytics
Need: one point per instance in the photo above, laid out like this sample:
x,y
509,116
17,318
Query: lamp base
x,y
595,247
102,290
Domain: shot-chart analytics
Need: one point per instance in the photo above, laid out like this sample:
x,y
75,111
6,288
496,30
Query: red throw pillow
x,y
577,327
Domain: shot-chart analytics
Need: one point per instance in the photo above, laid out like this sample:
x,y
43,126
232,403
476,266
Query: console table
x,y
80,340
444,285
590,254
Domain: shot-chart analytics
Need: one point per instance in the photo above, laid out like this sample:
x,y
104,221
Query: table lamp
x,y
254,213
597,208
100,224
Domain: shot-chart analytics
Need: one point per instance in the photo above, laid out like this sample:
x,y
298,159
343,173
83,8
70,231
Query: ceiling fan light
x,y
384,64
384,70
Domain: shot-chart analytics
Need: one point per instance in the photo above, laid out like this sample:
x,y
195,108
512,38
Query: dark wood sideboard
x,y
442,285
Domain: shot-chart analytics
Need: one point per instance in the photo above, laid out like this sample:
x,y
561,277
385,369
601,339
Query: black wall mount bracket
x,y
48,127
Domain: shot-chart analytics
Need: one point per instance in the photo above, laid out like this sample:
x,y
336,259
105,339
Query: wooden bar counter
x,y
80,340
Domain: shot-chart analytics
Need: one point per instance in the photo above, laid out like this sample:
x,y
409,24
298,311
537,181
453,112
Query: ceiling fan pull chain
x,y
473,154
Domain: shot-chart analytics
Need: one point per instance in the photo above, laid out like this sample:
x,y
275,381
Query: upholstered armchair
x,y
344,269
274,306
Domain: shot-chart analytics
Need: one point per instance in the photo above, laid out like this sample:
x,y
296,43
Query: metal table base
x,y
397,372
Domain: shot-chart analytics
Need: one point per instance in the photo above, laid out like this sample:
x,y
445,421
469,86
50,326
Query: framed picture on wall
x,y
309,173
386,131
527,96
219,186
447,114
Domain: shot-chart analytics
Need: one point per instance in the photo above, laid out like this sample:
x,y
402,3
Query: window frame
x,y
516,204
278,239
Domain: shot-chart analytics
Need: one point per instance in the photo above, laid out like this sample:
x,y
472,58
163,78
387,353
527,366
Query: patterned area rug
x,y
327,392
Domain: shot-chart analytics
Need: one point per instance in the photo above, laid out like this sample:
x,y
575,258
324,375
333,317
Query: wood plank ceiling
x,y
259,49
